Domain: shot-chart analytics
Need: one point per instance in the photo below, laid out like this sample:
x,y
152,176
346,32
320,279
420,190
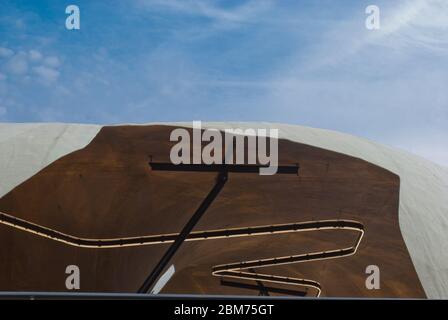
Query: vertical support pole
x,y
161,265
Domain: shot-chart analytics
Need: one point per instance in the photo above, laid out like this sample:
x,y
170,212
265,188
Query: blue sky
x,y
301,62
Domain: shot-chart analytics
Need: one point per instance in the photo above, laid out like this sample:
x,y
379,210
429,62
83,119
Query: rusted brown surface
x,y
107,190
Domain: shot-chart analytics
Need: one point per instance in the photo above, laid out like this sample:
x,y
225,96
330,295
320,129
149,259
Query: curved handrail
x,y
231,270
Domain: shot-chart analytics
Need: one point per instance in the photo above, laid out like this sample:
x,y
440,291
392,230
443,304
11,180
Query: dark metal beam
x,y
238,168
161,265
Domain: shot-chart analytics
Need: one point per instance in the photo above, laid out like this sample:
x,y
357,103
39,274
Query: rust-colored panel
x,y
107,190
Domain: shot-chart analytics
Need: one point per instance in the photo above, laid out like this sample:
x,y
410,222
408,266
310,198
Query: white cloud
x,y
5,52
48,75
35,55
18,64
52,61
417,24
408,27
244,12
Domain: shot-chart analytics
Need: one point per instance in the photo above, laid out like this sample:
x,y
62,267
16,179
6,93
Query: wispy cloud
x,y
407,27
34,55
5,52
24,65
418,23
387,85
46,74
243,12
18,64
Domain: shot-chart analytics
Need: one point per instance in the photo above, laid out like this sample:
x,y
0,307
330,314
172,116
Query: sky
x,y
309,62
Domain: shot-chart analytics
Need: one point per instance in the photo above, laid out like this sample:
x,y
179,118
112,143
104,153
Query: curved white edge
x,y
25,149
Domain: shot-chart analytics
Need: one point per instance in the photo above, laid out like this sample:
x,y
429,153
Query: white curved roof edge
x,y
423,214
25,149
